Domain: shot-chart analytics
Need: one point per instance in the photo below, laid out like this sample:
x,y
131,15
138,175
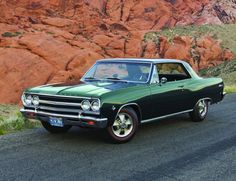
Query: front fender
x,y
110,111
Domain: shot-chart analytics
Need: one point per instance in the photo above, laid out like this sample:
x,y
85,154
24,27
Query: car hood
x,y
88,89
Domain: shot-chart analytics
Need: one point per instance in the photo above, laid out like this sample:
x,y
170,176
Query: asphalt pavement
x,y
170,149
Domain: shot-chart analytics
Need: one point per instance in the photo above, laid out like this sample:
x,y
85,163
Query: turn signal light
x,y
31,115
91,122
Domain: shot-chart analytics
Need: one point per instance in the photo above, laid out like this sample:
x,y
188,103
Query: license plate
x,y
56,122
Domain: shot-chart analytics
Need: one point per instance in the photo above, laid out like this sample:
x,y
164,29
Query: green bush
x,y
226,33
11,120
230,89
10,34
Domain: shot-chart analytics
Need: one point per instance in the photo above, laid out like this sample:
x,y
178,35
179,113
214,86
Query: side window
x,y
172,71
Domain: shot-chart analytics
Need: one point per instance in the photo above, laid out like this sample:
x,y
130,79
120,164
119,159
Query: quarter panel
x,y
206,88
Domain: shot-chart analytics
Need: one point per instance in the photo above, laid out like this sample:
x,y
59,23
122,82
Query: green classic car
x,y
120,94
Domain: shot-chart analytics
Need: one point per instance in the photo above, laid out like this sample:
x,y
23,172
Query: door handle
x,y
181,86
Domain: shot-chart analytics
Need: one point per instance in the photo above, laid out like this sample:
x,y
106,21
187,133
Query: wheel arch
x,y
205,98
135,107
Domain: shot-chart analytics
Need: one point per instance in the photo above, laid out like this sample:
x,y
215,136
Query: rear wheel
x,y
54,129
200,111
124,127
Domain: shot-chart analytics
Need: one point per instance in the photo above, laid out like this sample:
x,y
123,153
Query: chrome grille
x,y
66,105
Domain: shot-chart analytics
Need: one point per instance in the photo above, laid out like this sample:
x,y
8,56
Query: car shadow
x,y
83,135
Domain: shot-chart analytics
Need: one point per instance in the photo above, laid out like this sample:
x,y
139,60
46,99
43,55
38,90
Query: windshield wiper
x,y
90,78
116,78
113,78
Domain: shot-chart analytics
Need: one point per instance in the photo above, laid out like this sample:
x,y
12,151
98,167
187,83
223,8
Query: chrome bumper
x,y
79,120
224,93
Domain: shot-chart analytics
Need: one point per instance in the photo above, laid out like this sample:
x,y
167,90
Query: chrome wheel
x,y
202,107
200,110
123,125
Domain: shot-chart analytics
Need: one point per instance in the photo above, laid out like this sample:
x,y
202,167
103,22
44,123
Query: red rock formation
x,y
19,69
45,41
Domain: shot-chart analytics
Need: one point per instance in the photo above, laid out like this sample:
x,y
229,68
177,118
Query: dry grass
x,y
11,120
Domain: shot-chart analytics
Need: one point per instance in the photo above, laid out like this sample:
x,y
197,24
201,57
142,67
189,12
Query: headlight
x,y
27,100
95,106
85,105
35,101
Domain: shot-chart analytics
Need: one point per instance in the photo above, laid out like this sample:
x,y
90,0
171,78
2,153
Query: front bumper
x,y
223,95
80,120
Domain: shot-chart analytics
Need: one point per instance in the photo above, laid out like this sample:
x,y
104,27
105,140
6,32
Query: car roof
x,y
141,60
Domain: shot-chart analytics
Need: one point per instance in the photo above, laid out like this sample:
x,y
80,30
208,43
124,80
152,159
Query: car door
x,y
171,96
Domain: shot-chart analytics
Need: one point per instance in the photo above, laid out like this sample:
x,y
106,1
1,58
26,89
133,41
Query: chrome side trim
x,y
166,116
64,116
59,103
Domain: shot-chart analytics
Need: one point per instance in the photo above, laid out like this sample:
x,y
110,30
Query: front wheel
x,y
54,129
124,127
200,111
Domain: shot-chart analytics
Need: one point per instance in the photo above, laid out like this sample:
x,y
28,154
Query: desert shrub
x,y
12,120
10,34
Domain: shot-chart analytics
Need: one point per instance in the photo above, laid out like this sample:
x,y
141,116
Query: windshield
x,y
119,71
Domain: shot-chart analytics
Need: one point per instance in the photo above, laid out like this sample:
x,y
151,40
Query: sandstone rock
x,y
116,47
54,31
55,52
149,14
209,50
102,40
7,28
20,69
83,61
10,42
58,22
200,53
180,49
67,37
227,55
119,28
151,50
113,9
163,46
133,45
62,76
5,12
97,4
87,45
76,67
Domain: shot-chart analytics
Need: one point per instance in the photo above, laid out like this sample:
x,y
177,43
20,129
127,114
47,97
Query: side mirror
x,y
163,80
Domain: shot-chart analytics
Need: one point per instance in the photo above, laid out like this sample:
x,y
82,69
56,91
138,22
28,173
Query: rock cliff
x,y
44,41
